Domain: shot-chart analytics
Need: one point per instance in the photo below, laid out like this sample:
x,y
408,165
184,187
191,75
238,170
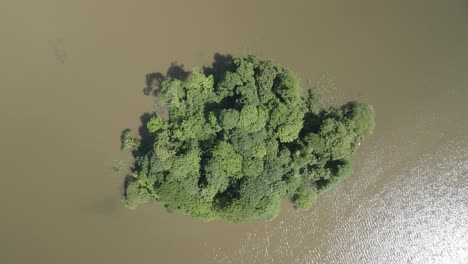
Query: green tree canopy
x,y
235,147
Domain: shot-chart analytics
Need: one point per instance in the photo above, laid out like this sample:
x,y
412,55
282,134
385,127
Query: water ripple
x,y
399,210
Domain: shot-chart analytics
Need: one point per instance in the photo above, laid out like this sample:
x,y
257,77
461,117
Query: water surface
x,y
72,75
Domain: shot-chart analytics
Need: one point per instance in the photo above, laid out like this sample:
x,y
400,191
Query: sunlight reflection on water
x,y
420,215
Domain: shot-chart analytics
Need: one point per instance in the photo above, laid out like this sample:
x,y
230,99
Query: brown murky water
x,y
72,74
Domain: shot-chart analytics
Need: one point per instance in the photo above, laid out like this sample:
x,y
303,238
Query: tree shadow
x,y
176,71
155,79
146,137
219,67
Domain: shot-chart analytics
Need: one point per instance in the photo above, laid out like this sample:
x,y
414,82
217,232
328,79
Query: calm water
x,y
72,74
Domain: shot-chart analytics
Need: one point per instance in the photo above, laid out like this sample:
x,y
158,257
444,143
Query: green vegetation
x,y
234,145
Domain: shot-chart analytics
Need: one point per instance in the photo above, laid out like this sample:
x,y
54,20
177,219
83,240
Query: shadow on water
x,y
221,64
176,71
155,79
146,137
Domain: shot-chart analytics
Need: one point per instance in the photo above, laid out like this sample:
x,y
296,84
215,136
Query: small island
x,y
234,144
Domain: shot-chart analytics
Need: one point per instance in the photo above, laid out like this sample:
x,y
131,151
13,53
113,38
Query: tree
x,y
235,148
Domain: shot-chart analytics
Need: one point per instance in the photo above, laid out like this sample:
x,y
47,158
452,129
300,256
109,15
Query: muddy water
x,y
72,74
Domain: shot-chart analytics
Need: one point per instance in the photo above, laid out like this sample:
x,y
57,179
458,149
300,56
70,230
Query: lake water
x,y
72,75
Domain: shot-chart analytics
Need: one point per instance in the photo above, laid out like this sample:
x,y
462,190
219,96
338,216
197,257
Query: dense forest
x,y
233,144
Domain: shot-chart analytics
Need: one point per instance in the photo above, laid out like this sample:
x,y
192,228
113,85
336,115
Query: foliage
x,y
305,195
234,148
129,141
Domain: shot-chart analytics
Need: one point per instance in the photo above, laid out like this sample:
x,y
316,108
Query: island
x,y
233,145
